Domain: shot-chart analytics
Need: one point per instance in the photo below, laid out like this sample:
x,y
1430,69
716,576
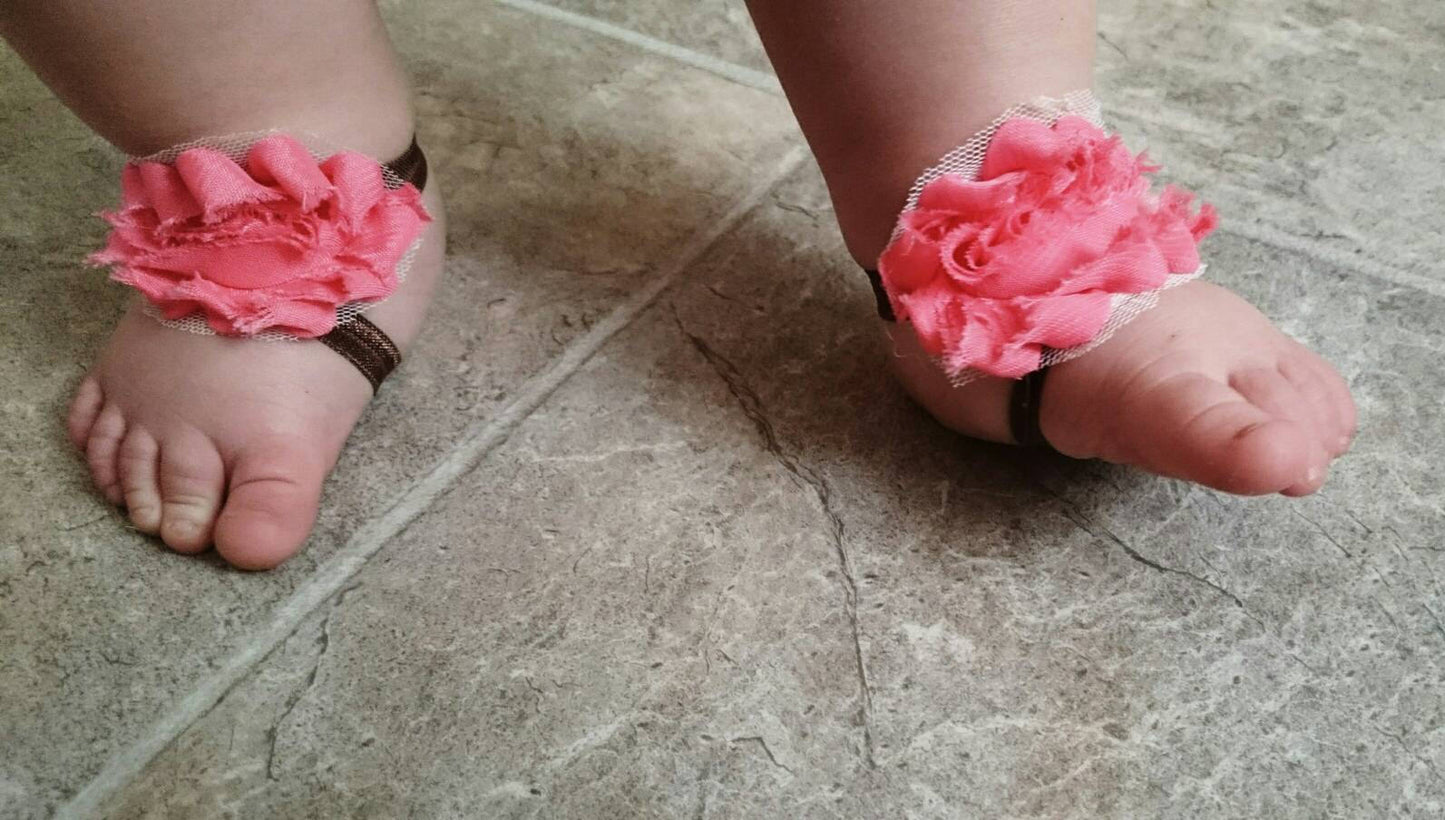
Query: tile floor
x,y
644,530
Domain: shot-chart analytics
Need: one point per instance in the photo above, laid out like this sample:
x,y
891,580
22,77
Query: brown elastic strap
x,y
364,345
358,340
885,308
1025,402
410,166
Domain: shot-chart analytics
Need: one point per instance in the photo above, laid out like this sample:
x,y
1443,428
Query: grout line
x,y
1266,234
750,77
476,442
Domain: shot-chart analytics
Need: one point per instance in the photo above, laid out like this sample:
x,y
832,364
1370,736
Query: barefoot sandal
x,y
1030,245
262,237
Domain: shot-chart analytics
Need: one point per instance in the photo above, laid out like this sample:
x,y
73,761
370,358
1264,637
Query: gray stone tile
x,y
728,570
1315,119
574,167
719,28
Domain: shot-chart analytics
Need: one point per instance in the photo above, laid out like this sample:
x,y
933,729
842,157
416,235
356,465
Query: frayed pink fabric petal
x,y
160,189
285,163
219,185
992,271
913,261
1023,144
1068,321
954,193
359,185
277,245
994,331
933,312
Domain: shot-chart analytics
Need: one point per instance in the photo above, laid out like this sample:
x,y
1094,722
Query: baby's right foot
x,y
227,440
1201,387
213,440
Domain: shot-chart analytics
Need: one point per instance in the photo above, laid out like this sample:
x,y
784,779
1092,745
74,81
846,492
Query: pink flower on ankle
x,y
990,271
278,244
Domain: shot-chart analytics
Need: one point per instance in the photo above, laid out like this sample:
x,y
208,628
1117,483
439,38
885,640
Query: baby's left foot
x,y
224,441
1201,388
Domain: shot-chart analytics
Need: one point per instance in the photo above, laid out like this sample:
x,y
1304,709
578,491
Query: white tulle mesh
x,y
967,159
236,146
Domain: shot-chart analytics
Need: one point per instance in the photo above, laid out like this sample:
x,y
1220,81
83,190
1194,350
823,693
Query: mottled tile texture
x,y
1317,120
727,570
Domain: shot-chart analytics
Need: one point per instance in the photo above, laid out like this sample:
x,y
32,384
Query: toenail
x,y
1313,475
183,528
1344,444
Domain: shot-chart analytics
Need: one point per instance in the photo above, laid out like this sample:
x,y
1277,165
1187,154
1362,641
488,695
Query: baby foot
x,y
211,440
1202,387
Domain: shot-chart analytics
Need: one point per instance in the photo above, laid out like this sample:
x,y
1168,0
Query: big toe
x,y
271,504
1200,429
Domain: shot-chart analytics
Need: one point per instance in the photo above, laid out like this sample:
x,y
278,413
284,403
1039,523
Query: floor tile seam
x,y
750,77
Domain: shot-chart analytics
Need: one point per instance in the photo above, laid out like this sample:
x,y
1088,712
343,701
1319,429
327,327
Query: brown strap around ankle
x,y
1025,400
358,340
366,346
410,166
885,307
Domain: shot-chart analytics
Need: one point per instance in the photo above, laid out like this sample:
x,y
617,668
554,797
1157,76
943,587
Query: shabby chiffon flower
x,y
276,244
1027,256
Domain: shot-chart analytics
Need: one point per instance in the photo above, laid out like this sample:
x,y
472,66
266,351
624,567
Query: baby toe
x,y
1314,479
1272,391
137,466
84,408
1342,400
192,480
101,449
1327,400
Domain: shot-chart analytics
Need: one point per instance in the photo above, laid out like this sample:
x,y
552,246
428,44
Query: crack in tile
x,y
1322,531
1111,44
1386,612
1439,627
537,693
1420,758
761,741
1082,522
323,640
752,407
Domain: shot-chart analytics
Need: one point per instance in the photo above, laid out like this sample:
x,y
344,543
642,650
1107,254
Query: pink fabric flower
x,y
278,245
992,270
